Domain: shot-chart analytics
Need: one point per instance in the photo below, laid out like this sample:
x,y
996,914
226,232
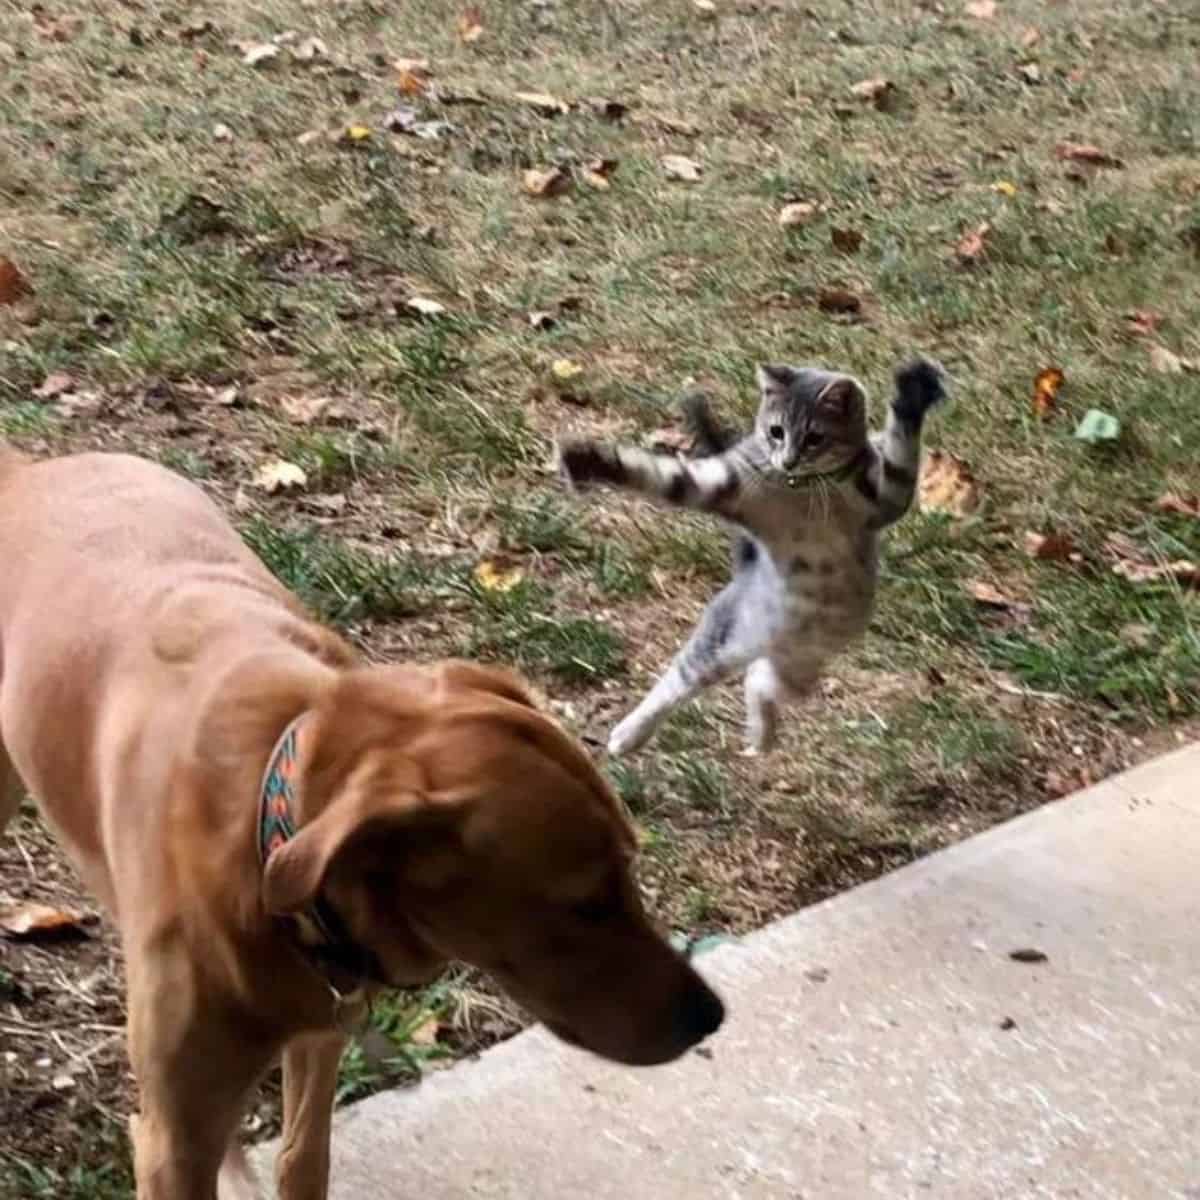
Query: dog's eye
x,y
776,433
598,908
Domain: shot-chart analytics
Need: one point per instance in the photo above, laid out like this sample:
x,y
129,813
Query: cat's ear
x,y
844,397
775,380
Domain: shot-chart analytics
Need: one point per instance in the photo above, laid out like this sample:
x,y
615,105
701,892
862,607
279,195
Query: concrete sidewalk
x,y
882,1044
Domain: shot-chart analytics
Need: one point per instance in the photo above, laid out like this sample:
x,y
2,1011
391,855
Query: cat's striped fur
x,y
809,490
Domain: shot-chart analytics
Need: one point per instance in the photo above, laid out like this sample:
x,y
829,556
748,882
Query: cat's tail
x,y
707,433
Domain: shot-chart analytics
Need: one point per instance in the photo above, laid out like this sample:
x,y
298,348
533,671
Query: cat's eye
x,y
776,433
812,441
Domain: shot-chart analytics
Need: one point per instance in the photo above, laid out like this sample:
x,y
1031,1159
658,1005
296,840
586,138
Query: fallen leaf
x,y
799,213
306,410
1080,152
357,133
402,119
877,91
971,245
424,307
706,8
31,920
848,241
1142,322
1005,188
79,403
470,25
495,576
1098,426
606,108
1028,955
1030,72
1183,506
597,171
226,397
546,104
309,50
564,370
54,385
411,83
946,484
13,284
839,300
540,319
414,66
332,504
679,166
1182,571
981,10
1050,547
546,182
259,53
1031,37
670,439
1046,385
1166,362
988,594
280,476
198,29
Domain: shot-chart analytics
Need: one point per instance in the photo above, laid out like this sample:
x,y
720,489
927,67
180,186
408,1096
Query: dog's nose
x,y
701,1013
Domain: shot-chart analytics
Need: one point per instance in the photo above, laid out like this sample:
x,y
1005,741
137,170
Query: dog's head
x,y
444,817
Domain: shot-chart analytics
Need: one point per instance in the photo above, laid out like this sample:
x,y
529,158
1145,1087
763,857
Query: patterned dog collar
x,y
320,934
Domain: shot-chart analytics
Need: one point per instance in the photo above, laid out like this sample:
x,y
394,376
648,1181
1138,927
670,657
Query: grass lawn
x,y
223,215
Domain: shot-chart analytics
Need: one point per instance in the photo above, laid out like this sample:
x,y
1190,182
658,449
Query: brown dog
x,y
277,830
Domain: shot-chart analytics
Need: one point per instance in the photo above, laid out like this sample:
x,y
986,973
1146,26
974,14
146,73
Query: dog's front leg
x,y
195,1072
310,1071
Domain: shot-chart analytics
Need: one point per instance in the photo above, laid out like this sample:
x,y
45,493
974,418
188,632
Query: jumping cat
x,y
808,490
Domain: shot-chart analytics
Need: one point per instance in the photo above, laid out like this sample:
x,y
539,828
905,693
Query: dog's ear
x,y
459,673
366,810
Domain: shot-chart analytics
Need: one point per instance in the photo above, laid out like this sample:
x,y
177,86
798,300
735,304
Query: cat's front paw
x,y
920,384
583,463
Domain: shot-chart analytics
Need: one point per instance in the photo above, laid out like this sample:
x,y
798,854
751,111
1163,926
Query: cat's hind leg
x,y
768,691
765,696
727,638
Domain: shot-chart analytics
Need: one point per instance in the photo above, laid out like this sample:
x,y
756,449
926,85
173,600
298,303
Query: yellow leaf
x,y
564,370
280,476
358,133
1045,390
1005,188
494,576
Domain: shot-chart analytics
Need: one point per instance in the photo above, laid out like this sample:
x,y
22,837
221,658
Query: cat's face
x,y
811,421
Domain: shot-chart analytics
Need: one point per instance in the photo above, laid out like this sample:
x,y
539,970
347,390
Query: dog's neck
x,y
318,932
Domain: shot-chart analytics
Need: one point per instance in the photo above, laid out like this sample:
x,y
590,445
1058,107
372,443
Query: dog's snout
x,y
701,1013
